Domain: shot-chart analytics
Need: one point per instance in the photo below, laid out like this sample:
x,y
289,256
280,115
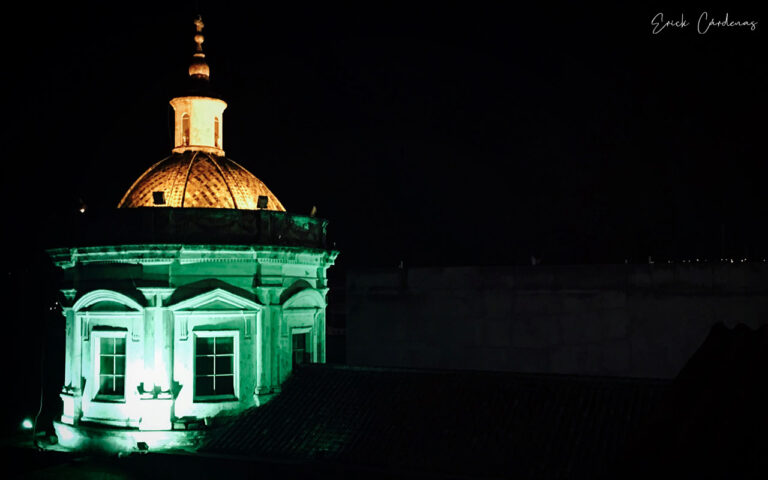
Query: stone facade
x,y
159,299
622,320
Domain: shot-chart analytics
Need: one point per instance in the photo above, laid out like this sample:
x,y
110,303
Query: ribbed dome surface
x,y
197,179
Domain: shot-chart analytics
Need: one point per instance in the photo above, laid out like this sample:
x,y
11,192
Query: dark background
x,y
441,135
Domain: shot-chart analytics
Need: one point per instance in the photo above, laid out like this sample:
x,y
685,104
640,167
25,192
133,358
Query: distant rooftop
x,y
462,423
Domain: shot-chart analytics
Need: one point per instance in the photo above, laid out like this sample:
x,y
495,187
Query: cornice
x,y
159,254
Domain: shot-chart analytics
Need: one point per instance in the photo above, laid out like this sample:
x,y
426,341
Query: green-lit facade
x,y
192,301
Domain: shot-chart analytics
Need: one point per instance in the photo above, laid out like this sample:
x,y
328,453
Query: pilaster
x,y
71,394
157,396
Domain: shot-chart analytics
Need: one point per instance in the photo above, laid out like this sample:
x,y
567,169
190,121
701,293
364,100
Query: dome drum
x,y
199,226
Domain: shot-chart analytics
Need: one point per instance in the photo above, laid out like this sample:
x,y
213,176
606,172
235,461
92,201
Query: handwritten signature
x,y
704,23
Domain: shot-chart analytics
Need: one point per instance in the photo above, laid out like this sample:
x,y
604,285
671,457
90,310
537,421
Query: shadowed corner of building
x,y
712,421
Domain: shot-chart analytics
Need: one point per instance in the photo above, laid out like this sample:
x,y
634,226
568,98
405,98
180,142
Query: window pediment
x,y
106,301
216,300
307,298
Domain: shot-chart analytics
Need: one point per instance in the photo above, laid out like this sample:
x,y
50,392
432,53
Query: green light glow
x,y
207,290
66,436
27,424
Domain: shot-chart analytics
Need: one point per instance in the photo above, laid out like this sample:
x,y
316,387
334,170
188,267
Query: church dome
x,y
199,179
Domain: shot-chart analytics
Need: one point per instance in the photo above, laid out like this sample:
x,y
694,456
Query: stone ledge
x,y
117,440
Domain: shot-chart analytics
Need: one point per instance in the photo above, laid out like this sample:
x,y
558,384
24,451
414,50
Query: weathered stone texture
x,y
625,320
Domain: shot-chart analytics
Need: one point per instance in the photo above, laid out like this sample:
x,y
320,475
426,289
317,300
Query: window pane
x,y
120,346
107,346
224,345
204,366
119,385
185,129
107,365
203,386
225,385
120,364
223,365
204,345
214,365
107,385
301,353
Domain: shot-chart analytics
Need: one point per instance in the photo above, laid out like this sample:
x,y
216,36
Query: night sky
x,y
432,135
437,136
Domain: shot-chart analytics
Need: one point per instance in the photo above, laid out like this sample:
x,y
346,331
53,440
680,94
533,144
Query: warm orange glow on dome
x,y
197,179
197,174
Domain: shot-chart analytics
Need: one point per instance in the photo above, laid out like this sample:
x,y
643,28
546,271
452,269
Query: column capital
x,y
156,296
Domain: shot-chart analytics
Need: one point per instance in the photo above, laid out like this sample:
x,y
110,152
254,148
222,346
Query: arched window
x,y
185,129
216,134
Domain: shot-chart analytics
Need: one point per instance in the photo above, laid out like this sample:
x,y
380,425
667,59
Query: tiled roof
x,y
197,179
463,423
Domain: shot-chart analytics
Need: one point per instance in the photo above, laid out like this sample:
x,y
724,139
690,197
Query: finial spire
x,y
199,68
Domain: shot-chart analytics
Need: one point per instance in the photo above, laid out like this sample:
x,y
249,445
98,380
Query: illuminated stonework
x,y
199,124
197,174
183,315
152,316
199,179
199,118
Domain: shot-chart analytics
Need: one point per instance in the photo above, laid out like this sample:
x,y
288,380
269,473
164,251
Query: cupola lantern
x,y
199,118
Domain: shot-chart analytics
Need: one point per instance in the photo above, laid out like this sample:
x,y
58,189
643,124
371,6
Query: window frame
x,y
158,195
309,345
186,127
96,337
235,395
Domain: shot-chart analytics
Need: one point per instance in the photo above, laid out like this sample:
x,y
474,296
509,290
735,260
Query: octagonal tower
x,y
192,301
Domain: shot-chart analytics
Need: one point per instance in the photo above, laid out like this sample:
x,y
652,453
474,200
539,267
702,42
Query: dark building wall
x,y
625,320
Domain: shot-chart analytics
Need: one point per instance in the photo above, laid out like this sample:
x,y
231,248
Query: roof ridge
x,y
224,177
216,182
174,190
272,196
133,185
563,376
236,183
186,178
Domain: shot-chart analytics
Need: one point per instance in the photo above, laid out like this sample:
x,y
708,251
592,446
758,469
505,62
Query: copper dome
x,y
197,179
